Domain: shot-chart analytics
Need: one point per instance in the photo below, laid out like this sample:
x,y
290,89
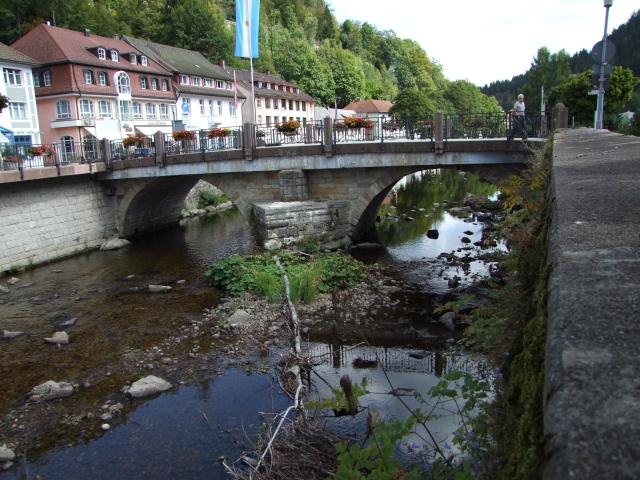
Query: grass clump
x,y
211,198
309,276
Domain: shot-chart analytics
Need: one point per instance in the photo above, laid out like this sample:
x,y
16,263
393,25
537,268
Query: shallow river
x,y
183,433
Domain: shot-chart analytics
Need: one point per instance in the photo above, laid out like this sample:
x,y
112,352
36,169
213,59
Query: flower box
x,y
40,151
219,133
180,135
134,140
290,127
358,122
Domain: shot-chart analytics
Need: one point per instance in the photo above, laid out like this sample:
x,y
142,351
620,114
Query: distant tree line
x,y
299,39
568,79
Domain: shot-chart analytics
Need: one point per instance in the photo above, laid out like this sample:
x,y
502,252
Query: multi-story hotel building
x,y
19,121
205,93
91,87
277,100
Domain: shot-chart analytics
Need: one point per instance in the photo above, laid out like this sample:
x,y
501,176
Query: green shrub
x,y
211,197
308,276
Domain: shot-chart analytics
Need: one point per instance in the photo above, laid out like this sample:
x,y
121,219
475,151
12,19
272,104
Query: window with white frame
x,y
297,105
104,109
154,84
259,118
151,110
220,107
267,103
143,83
86,108
12,76
143,60
134,59
290,104
165,84
36,79
124,109
211,114
124,84
196,81
268,85
258,102
207,82
137,110
229,85
114,55
88,77
63,109
46,78
102,54
102,78
268,120
164,110
219,84
284,103
232,109
18,110
201,103
304,106
184,80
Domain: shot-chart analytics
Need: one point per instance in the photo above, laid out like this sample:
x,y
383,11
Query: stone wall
x,y
284,223
48,219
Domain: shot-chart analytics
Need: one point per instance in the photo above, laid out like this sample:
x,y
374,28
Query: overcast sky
x,y
486,40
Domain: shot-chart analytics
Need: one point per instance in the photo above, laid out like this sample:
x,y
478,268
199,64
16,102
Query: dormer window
x,y
165,85
184,80
88,77
102,54
196,81
219,84
207,82
154,84
143,60
114,55
134,59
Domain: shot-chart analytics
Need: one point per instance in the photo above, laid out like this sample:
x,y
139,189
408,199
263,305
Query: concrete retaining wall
x,y
49,219
284,223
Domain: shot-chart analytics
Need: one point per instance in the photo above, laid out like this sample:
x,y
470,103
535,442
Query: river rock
x,y
454,282
4,289
433,234
159,288
8,334
13,280
114,244
146,386
447,320
68,323
51,390
59,338
239,318
6,454
465,240
476,201
105,427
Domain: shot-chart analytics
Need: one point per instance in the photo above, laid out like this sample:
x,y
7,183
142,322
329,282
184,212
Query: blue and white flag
x,y
247,27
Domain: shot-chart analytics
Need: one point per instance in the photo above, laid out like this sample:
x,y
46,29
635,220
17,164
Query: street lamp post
x,y
600,104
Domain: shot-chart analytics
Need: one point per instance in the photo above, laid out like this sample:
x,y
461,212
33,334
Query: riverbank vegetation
x,y
310,275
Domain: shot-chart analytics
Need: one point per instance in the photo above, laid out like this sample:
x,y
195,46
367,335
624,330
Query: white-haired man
x,y
518,119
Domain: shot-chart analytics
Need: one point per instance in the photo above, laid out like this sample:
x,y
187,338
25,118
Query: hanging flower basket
x,y
180,135
288,128
358,122
40,151
219,133
134,140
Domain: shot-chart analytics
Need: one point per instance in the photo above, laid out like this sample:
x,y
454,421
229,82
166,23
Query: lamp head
x,y
608,3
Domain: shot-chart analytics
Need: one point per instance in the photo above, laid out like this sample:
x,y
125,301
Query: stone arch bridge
x,y
342,187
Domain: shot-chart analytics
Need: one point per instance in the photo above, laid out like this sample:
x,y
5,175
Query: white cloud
x,y
485,40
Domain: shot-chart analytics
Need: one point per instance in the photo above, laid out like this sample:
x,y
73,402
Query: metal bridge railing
x,y
288,133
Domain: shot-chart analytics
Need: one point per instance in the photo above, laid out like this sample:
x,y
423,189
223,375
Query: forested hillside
x,y
299,39
552,70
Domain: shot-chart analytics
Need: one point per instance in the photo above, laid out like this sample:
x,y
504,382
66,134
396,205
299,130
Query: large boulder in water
x,y
114,244
433,234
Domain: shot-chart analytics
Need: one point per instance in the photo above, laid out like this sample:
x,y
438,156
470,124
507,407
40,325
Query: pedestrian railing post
x,y
329,142
248,140
158,140
438,131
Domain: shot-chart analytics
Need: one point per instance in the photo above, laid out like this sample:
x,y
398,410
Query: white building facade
x,y
19,121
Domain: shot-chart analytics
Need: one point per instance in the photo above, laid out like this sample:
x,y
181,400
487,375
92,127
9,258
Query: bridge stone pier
x,y
341,193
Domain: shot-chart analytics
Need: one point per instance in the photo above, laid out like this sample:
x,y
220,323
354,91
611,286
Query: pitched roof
x,y
244,76
179,60
14,56
49,44
370,106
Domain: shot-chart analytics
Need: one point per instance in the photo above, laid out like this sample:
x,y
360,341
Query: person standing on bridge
x,y
518,119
